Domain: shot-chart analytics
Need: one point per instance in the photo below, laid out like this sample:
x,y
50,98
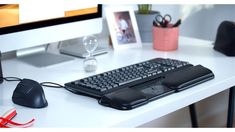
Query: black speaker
x,y
1,77
225,38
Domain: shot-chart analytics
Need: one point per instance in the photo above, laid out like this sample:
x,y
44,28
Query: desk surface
x,y
66,109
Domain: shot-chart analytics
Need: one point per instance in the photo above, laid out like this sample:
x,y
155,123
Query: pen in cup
x,y
177,23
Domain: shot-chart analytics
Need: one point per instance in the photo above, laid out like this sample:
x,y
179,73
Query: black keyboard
x,y
132,86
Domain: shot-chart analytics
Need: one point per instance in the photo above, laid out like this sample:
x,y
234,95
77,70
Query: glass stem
x,y
90,54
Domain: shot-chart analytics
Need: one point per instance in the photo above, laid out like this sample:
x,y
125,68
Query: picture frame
x,y
123,27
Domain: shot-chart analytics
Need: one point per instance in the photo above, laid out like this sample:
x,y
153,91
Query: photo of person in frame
x,y
124,29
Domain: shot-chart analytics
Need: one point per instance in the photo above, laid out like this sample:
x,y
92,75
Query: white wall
x,y
204,24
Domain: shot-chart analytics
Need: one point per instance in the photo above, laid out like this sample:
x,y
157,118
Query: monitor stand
x,y
78,50
40,58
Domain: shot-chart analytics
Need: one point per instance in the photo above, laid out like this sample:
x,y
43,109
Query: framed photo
x,y
123,27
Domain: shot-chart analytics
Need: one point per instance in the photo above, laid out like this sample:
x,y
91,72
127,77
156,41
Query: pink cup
x,y
165,39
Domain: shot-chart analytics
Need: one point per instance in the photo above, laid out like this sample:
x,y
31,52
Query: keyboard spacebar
x,y
129,81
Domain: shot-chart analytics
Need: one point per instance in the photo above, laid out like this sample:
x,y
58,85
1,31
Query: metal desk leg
x,y
230,107
193,115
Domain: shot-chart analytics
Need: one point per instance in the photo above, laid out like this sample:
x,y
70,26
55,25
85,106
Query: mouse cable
x,y
46,84
10,79
51,84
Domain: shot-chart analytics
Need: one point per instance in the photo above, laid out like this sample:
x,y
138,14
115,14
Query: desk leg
x,y
230,107
193,115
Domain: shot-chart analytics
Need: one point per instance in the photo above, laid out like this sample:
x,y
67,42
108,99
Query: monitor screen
x,y
19,17
32,23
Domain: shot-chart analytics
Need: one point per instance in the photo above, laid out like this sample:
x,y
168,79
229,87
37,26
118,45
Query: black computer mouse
x,y
29,93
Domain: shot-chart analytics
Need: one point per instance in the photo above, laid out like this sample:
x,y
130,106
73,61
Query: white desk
x,y
66,109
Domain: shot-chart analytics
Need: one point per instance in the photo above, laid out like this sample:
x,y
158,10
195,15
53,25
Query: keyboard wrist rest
x,y
187,78
124,99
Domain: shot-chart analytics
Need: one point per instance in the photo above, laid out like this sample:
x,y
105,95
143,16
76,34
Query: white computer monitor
x,y
36,23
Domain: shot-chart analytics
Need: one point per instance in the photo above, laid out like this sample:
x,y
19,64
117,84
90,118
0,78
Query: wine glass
x,y
90,43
